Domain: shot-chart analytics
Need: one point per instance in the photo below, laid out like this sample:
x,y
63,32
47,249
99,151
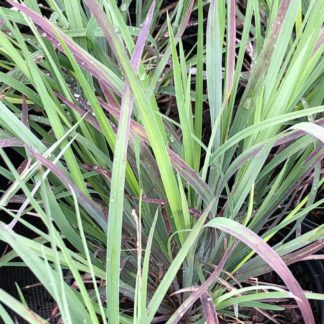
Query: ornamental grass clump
x,y
161,146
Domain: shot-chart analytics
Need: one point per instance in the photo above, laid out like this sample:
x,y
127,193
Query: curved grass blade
x,y
312,129
256,243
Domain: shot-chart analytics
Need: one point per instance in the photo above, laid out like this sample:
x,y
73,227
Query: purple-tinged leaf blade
x,y
142,37
209,309
257,244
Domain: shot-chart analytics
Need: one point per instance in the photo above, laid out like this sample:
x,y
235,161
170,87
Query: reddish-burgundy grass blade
x,y
320,40
137,128
209,309
304,253
104,172
108,95
23,166
93,210
141,40
259,246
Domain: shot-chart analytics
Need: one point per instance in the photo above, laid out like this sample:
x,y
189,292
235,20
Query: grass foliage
x,y
163,146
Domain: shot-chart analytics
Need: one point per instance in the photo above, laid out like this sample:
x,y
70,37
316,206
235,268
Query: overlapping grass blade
x,y
270,256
